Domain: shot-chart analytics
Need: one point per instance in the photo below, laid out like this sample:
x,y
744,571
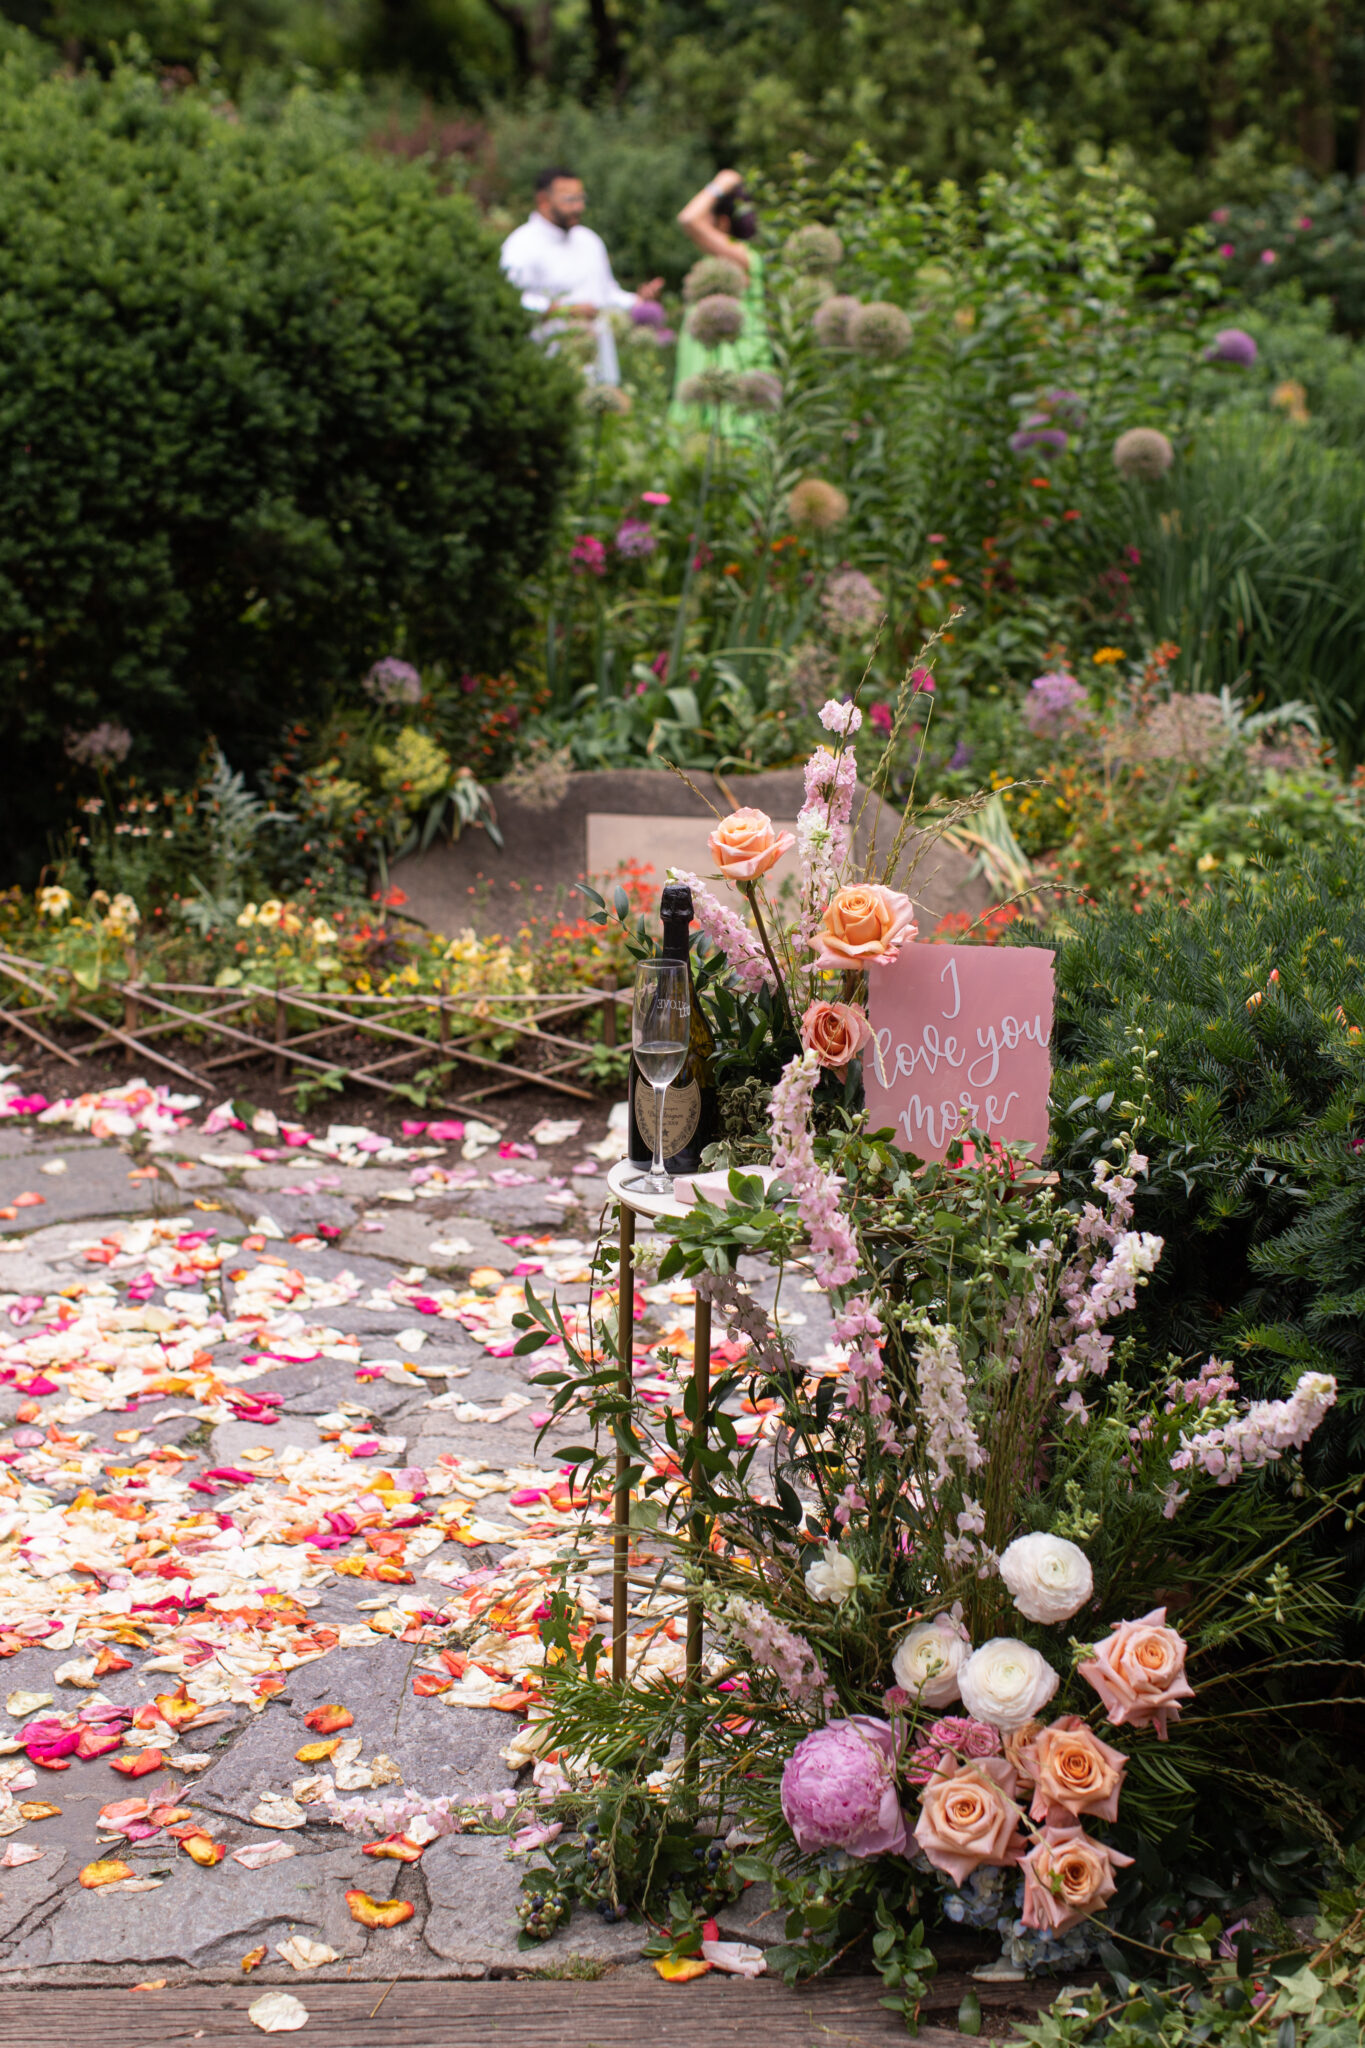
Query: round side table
x,y
640,1202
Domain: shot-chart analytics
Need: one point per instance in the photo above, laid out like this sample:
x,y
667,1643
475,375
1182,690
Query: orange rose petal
x,y
396,1846
317,1752
96,1874
253,1959
38,1809
428,1683
203,1850
379,1912
151,1984
138,1766
109,1660
681,1969
177,1707
327,1720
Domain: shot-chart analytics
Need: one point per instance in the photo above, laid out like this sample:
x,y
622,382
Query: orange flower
x,y
836,1033
864,923
745,845
1073,1772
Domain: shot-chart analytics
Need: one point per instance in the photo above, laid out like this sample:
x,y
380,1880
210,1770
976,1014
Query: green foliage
x,y
1305,231
261,400
1227,1034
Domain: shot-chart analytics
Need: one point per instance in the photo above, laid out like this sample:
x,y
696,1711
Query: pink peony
x,y
968,1817
1067,1877
1139,1673
839,1790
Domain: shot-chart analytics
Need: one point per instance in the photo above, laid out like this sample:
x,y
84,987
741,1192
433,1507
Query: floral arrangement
x,y
997,1605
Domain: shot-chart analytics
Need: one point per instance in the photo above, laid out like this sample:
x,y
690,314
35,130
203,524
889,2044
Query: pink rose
x,y
835,1033
863,923
1074,1772
968,1817
1139,1673
969,1738
1067,1877
745,845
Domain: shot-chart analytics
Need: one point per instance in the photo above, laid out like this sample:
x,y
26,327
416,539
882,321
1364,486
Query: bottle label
x,y
682,1114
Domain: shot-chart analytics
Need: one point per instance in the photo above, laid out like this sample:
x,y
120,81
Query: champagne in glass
x,y
660,1034
689,1103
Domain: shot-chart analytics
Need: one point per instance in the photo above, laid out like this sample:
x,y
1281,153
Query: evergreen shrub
x,y
267,411
1227,1033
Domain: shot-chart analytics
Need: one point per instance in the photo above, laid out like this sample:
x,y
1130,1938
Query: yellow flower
x,y
270,912
1104,655
321,932
53,902
414,765
122,918
247,916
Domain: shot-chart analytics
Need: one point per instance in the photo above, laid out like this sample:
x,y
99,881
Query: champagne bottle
x,y
690,1116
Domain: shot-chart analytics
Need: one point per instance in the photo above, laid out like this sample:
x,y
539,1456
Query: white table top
x,y
639,1199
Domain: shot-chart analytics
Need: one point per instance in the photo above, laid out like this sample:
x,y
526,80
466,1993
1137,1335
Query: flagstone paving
x,y
264,1449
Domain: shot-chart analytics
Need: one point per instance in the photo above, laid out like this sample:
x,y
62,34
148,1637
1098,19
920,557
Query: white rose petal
x,y
1005,1683
1049,1579
832,1577
929,1661
277,2012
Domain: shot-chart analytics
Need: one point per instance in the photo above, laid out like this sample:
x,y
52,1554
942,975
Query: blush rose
x,y
863,923
1139,1673
1067,1877
968,1817
835,1032
746,844
1073,1772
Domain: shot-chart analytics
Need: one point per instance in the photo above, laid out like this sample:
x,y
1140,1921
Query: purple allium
x,y
715,319
1066,407
392,681
839,1790
647,313
851,602
1036,437
1232,345
1143,454
1053,700
635,537
105,746
588,555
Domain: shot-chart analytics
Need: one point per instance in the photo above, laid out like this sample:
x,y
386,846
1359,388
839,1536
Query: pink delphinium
x,y
774,1647
823,834
839,1790
1262,1434
834,1253
725,929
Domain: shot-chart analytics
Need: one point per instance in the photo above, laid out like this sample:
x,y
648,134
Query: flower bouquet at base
x,y
1010,1625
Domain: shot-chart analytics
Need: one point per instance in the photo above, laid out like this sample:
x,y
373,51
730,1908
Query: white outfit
x,y
550,265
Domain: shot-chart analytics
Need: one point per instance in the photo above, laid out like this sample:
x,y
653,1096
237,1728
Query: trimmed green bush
x,y
1228,1035
267,411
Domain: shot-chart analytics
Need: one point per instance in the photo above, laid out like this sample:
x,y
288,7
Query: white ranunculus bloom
x,y
1049,1579
1005,1683
929,1661
832,1577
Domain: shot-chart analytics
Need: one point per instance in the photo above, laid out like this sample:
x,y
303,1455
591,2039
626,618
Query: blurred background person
x,y
721,222
562,268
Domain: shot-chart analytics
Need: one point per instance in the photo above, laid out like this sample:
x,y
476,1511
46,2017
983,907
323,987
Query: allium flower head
x,y
715,319
814,248
714,274
392,681
816,504
606,401
1038,436
879,331
1143,454
708,387
839,1790
758,391
648,313
1054,701
1232,345
1066,407
105,746
851,602
832,318
635,538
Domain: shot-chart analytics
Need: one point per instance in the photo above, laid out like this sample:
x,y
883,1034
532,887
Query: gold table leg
x,y
700,1525
625,1344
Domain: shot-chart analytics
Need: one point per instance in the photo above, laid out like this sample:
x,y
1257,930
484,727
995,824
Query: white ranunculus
x,y
929,1661
1049,1579
832,1577
1005,1683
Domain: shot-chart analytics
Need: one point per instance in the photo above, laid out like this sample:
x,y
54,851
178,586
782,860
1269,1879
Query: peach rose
x,y
745,845
1139,1673
1074,1772
835,1033
1018,1746
968,1817
863,923
1067,1877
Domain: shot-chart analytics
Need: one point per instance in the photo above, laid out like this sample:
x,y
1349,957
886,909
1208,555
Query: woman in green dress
x,y
721,224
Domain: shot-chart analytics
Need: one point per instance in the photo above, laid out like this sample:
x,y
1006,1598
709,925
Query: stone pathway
x,y
380,1282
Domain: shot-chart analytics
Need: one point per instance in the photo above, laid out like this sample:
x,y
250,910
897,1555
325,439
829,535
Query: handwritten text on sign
x,y
960,1041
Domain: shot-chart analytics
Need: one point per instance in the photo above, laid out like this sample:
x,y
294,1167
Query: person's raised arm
x,y
698,221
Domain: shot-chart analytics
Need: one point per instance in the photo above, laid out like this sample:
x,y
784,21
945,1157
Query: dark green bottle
x,y
691,1122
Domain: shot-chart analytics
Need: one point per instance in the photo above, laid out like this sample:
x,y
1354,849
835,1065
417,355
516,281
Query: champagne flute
x,y
661,1031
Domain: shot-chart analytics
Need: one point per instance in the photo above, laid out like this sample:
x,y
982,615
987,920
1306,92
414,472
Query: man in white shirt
x,y
561,267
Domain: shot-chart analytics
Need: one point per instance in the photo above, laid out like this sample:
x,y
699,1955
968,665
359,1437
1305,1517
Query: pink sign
x,y
960,1041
